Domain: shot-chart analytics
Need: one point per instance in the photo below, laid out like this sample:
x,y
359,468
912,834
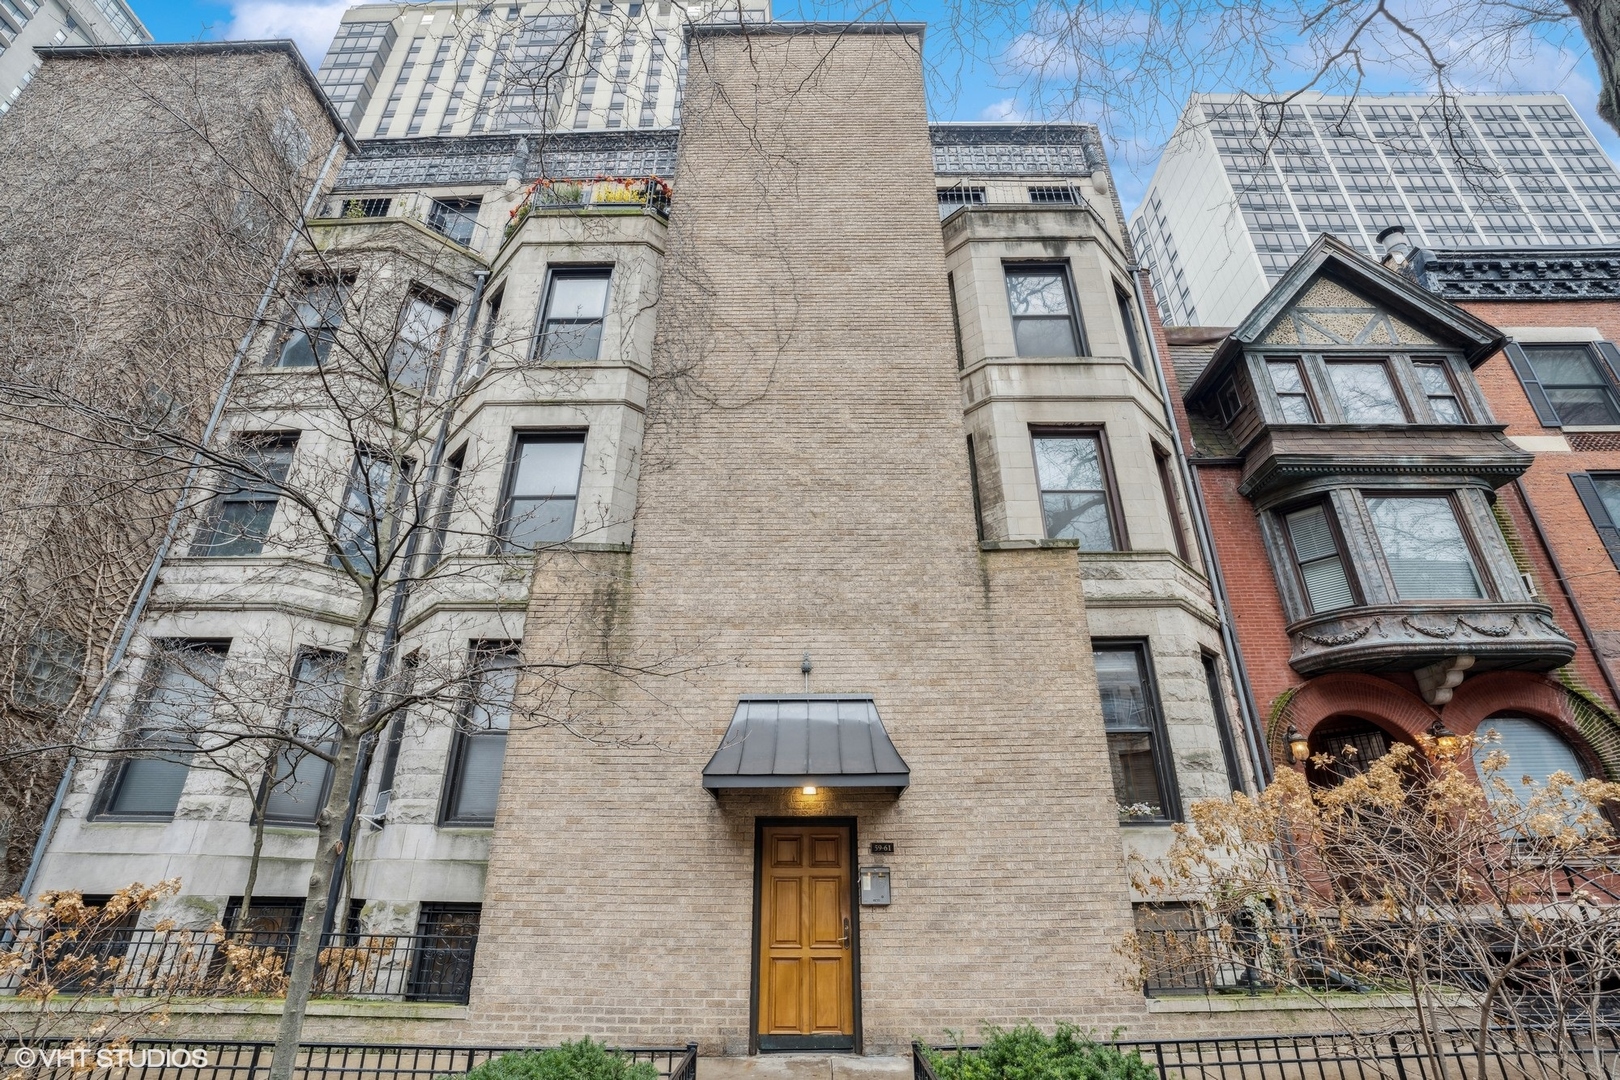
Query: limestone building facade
x,y
805,552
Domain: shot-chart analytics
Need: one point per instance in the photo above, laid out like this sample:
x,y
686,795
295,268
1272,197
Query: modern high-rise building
x,y
402,70
27,23
1244,186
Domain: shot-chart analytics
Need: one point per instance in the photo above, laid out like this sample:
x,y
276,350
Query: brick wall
x,y
1589,571
804,488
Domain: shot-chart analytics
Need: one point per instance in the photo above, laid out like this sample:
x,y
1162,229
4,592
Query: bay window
x,y
1424,547
1314,543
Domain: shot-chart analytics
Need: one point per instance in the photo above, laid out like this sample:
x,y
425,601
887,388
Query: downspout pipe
x,y
1253,736
137,608
396,611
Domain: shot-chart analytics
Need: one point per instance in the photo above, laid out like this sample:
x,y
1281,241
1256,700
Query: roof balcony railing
x,y
650,194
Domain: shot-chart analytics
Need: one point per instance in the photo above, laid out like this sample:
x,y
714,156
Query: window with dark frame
x,y
419,339
1223,722
973,480
575,306
952,199
394,740
364,505
1041,303
366,208
1228,401
1288,381
1366,392
1076,496
492,320
456,219
542,488
1444,404
1054,194
1425,548
1127,318
312,325
1318,557
239,519
1600,494
177,701
448,488
1571,384
298,777
478,750
53,667
1138,749
446,941
1161,461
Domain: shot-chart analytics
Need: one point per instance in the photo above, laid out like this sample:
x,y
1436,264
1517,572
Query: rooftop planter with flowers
x,y
647,192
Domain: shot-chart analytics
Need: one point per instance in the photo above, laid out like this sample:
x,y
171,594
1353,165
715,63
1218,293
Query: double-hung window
x,y
1138,751
478,752
239,520
419,339
367,503
1440,391
1076,499
1569,384
312,326
1314,543
1365,392
1292,396
176,704
300,771
576,304
1424,546
542,488
1043,313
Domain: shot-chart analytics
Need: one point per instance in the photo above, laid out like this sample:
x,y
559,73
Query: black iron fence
x,y
1234,959
60,1059
196,963
1508,1055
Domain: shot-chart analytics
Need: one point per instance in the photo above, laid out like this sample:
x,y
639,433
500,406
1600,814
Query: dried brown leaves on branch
x,y
1462,901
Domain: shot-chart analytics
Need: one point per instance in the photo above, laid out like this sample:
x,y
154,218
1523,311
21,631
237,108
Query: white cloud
x,y
1007,109
310,24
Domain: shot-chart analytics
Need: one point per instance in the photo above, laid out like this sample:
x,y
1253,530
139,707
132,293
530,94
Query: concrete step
x,y
804,1067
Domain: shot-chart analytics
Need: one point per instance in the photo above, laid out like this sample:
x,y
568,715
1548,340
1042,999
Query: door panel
x,y
786,923
807,991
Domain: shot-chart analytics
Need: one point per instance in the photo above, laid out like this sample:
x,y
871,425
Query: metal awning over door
x,y
806,740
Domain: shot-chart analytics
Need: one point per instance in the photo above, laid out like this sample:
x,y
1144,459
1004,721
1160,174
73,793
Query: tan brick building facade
x,y
817,502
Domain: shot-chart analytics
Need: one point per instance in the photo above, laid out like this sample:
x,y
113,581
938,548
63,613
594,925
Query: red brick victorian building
x,y
1365,488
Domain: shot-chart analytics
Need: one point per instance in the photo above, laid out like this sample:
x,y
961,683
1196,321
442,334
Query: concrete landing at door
x,y
804,1067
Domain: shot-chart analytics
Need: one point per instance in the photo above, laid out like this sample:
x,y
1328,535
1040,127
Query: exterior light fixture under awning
x,y
806,740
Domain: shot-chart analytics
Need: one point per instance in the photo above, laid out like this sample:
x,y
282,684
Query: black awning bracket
x,y
806,740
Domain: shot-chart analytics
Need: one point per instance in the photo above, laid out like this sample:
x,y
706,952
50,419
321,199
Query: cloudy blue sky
x,y
985,86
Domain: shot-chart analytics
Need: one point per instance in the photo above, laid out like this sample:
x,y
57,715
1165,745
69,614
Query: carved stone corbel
x,y
1437,681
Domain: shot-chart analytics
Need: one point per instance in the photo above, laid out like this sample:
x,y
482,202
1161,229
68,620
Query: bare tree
x,y
1485,909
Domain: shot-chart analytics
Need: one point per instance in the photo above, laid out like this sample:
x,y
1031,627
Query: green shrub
x,y
1024,1053
583,1060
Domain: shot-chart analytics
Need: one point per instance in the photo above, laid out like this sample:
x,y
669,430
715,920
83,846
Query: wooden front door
x,y
806,939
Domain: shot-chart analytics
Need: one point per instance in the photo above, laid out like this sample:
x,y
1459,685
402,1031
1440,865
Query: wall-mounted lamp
x,y
809,789
1446,741
1299,747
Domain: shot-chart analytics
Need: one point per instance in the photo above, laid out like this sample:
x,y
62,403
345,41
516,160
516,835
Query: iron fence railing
x,y
55,1059
1235,959
1584,1055
196,963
